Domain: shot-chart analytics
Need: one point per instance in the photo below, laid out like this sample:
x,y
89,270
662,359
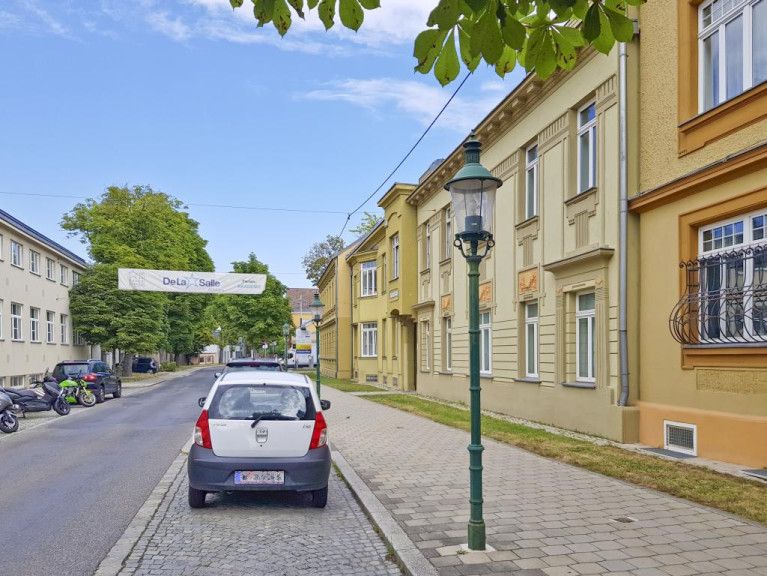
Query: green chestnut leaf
x,y
351,14
447,67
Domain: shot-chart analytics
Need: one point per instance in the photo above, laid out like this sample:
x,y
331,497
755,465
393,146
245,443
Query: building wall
x,y
335,329
716,171
570,246
23,358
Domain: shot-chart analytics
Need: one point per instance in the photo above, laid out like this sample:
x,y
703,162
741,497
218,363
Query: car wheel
x,y
196,498
320,497
100,395
118,391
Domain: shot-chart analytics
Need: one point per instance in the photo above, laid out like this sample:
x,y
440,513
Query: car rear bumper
x,y
216,474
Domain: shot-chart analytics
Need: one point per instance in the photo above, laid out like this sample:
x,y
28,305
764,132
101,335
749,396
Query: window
x,y
383,272
50,319
64,322
448,233
732,49
395,338
79,339
531,340
34,324
1,247
64,275
531,182
383,337
368,279
395,257
17,381
1,319
485,343
428,247
369,339
34,262
447,337
585,317
16,331
425,346
50,271
17,254
75,278
587,147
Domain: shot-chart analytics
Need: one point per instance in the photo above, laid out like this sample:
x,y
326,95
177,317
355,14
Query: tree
x,y
542,35
137,228
319,255
254,318
368,222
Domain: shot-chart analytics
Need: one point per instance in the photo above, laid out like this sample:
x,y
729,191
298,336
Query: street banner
x,y
303,341
195,282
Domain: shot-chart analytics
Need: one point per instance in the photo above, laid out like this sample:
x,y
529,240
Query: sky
x,y
191,98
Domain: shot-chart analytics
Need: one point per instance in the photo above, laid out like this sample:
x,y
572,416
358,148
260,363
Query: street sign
x,y
303,341
195,282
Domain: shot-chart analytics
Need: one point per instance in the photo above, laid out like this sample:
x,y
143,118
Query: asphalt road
x,y
69,489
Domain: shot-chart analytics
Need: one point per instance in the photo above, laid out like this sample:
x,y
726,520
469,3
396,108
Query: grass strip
x,y
345,385
740,496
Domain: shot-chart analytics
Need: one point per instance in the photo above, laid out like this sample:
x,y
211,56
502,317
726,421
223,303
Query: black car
x,y
252,364
145,364
97,375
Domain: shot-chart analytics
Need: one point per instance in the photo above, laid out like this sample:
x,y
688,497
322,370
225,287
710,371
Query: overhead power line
x,y
401,162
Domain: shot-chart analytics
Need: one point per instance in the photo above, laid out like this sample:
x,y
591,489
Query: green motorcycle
x,y
75,391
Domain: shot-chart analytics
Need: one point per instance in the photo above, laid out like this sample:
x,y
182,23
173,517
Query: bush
x,y
168,367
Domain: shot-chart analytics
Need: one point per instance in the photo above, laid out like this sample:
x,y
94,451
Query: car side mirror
x,y
217,374
325,404
201,401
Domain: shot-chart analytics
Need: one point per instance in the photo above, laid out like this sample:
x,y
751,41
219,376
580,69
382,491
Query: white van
x,y
300,360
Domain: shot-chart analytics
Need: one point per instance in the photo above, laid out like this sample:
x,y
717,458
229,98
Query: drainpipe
x,y
622,248
351,325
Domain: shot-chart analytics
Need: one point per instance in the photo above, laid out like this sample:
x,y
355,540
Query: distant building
x,y
36,275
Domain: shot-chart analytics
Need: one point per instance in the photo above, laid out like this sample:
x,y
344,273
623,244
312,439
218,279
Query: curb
x,y
137,385
410,557
113,563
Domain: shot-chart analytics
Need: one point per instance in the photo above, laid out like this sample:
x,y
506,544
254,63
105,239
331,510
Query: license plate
x,y
259,477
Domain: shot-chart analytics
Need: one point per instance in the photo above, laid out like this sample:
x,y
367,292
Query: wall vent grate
x,y
681,437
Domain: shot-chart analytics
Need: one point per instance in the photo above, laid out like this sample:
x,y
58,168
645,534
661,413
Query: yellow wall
x,y
335,329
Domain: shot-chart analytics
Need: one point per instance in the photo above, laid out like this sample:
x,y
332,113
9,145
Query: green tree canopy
x,y
368,222
253,318
318,256
542,35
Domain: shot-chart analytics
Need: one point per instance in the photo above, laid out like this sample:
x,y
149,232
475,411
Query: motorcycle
x,y
8,420
75,391
46,396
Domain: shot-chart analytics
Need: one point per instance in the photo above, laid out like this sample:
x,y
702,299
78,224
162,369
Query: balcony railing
x,y
725,301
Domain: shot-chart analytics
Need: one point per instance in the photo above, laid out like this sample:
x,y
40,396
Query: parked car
x,y
260,431
145,364
97,375
251,365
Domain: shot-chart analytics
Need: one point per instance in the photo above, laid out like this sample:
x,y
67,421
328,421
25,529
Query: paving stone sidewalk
x,y
246,534
543,517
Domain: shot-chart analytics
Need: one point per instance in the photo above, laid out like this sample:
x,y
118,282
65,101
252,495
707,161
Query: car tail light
x,y
202,431
91,378
320,432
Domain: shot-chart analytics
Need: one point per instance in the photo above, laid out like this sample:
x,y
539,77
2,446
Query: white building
x,y
36,275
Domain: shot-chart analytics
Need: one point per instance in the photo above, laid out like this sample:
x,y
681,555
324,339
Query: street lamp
x,y
318,307
472,192
285,334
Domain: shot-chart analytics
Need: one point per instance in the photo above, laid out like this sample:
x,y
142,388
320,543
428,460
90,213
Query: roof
x,y
254,377
299,296
29,231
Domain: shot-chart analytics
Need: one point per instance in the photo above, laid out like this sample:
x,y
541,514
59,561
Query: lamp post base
x,y
477,535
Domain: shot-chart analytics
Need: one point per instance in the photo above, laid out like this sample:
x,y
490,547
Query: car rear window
x,y
243,402
64,371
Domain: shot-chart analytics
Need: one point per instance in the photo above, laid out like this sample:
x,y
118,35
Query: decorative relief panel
x,y
581,229
527,251
528,281
553,132
733,381
447,303
486,292
507,165
606,92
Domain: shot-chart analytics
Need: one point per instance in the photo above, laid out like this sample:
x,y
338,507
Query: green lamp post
x,y
472,192
318,307
285,334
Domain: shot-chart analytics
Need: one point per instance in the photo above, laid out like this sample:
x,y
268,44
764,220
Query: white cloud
x,y
174,28
417,100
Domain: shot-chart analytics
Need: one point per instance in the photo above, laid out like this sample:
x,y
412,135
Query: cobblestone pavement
x,y
542,516
251,534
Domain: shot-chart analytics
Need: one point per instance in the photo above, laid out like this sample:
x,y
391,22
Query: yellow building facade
x,y
549,287
702,205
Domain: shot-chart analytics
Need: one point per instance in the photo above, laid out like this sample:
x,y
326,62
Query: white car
x,y
260,431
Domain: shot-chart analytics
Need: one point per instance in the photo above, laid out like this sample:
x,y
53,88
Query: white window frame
x,y
589,316
50,327
50,269
428,247
674,447
368,277
63,275
588,128
1,319
64,328
485,342
17,381
17,254
369,335
75,278
748,240
17,322
34,324
448,320
718,25
1,248
531,339
448,232
34,262
425,346
395,256
395,338
531,196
